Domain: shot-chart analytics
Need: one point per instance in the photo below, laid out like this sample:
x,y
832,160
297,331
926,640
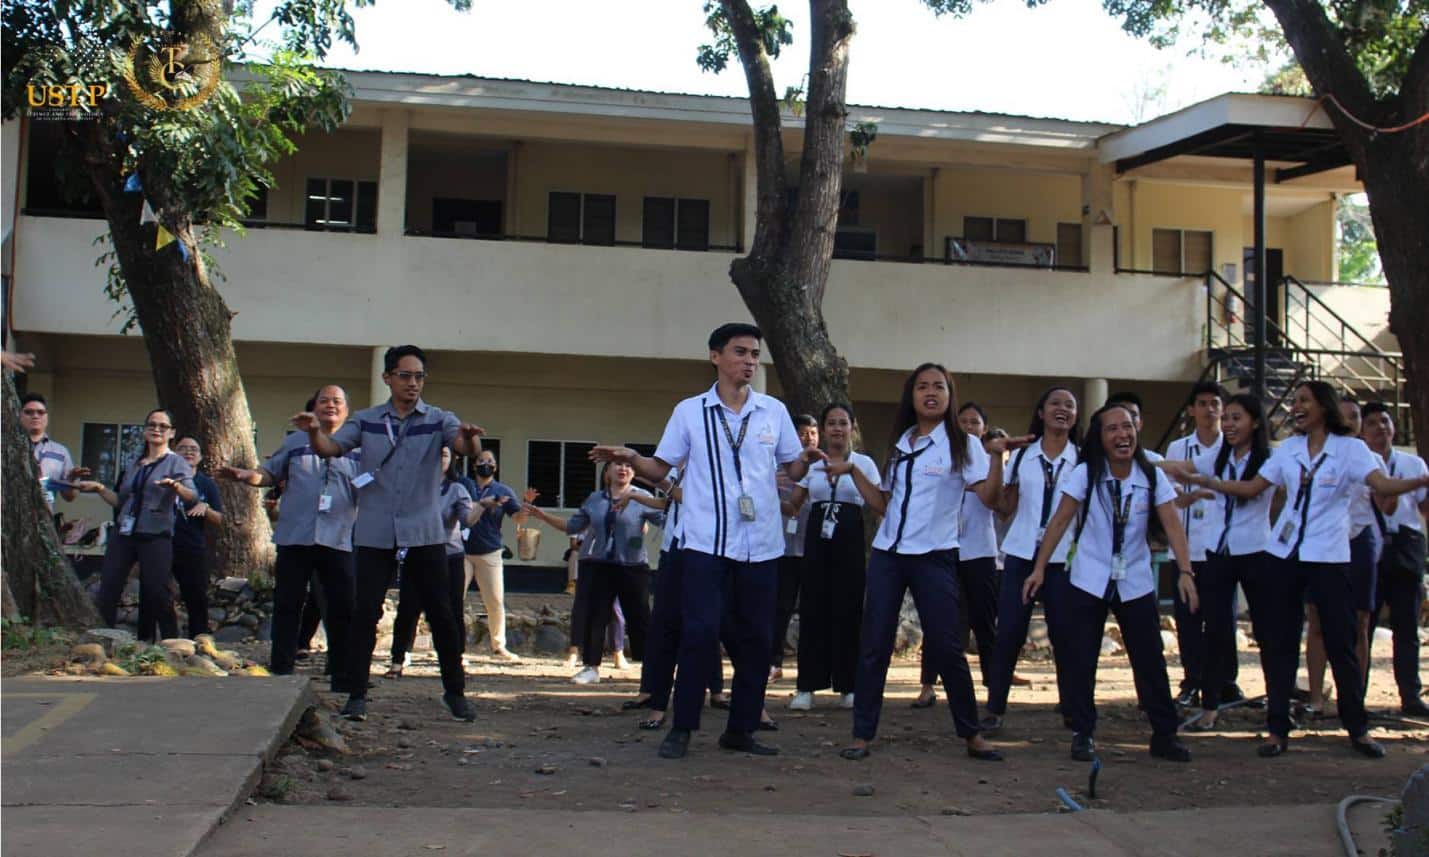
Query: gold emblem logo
x,y
177,76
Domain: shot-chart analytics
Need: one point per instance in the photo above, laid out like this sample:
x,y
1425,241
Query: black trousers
x,y
191,571
1216,581
427,567
831,585
933,579
599,585
977,580
662,643
155,555
1403,590
1084,618
313,609
1013,619
1285,589
791,569
296,568
404,628
740,596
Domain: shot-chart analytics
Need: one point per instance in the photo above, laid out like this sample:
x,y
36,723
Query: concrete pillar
x,y
931,250
749,200
761,379
392,175
1099,218
512,226
1093,396
378,387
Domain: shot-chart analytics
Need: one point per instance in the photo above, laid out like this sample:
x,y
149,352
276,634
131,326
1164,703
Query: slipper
x,y
652,724
632,704
1197,726
394,671
924,701
854,754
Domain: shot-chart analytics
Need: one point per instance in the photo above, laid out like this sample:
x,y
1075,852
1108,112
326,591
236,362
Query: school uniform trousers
x,y
718,590
977,582
1194,645
1216,583
190,569
299,567
933,579
155,555
1013,619
598,585
1083,620
662,641
791,570
312,616
1402,588
404,628
831,586
426,566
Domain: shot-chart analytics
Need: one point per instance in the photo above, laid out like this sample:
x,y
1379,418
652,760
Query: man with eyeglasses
x,y
399,522
52,459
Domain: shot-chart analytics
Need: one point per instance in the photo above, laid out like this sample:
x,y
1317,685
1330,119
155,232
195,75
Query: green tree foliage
x,y
1358,251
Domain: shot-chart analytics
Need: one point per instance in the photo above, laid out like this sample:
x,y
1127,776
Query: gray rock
x,y
354,773
265,630
910,627
1416,802
516,637
232,634
131,592
337,793
863,790
216,614
1110,646
248,620
597,762
325,765
233,584
109,638
549,640
547,770
127,615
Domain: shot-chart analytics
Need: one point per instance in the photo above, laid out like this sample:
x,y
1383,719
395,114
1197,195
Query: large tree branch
x,y
1414,93
768,144
1328,64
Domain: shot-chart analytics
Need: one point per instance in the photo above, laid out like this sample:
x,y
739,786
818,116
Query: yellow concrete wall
x,y
344,154
1154,205
1310,246
481,175
1042,200
897,216
629,173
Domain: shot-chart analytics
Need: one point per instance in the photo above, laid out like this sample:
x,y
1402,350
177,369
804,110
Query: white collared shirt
x,y
695,441
1029,474
672,529
1321,526
926,494
816,481
1198,519
1092,562
1249,519
1402,465
977,531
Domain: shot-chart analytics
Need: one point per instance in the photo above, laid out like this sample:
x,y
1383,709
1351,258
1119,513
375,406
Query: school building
x,y
562,253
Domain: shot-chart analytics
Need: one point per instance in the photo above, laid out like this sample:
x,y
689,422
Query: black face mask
x,y
485,470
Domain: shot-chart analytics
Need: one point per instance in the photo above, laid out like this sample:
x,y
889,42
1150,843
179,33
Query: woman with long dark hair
x,y
1029,497
1319,469
1121,498
832,577
932,464
1236,550
144,531
613,561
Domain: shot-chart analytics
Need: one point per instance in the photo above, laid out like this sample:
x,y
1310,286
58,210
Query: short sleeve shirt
x,y
1402,465
695,440
400,508
152,505
1249,520
188,532
53,461
456,508
817,482
926,492
485,535
1036,504
1198,519
306,477
1092,563
1316,515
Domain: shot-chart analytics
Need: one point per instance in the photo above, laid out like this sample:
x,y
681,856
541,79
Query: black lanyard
x,y
395,441
1120,514
136,488
1049,487
1378,515
1230,506
610,516
734,442
1302,499
907,489
1192,450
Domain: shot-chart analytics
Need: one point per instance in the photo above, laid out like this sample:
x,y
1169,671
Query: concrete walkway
x,y
300,831
134,766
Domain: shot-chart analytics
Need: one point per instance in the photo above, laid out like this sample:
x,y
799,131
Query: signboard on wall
x,y
1000,253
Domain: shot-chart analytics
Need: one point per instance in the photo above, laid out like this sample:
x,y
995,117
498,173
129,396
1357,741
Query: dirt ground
x,y
541,742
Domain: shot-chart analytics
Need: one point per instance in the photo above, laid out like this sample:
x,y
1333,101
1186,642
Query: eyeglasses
x,y
158,426
31,412
186,449
419,377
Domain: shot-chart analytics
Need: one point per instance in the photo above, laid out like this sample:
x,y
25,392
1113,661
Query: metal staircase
x,y
1310,342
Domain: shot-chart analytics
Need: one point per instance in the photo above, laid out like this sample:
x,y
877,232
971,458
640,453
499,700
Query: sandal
x,y
925,701
652,724
854,754
394,671
632,704
1198,726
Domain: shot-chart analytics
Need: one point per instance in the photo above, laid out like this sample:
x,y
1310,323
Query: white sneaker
x,y
620,661
407,659
846,701
802,701
588,675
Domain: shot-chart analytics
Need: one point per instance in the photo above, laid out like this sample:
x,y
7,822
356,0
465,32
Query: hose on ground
x,y
1342,821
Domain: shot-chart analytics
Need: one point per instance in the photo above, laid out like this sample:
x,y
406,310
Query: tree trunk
x,y
38,581
1394,168
782,279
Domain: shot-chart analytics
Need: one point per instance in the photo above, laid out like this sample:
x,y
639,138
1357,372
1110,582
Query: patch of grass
x,y
21,636
137,660
276,788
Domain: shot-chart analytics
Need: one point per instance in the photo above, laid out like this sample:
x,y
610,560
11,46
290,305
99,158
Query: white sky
x,y
1067,59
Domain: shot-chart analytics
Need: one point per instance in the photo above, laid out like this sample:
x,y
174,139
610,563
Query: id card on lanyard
x,y
831,511
1292,527
136,505
1050,478
746,502
1120,515
362,480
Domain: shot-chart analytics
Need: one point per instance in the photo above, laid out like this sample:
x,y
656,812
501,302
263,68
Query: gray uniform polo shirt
x,y
400,509
456,508
152,505
306,477
614,537
53,461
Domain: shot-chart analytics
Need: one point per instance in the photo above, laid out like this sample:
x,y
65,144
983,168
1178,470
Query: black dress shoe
x,y
1232,693
355,709
854,754
1190,698
1170,749
676,744
633,704
984,755
1367,746
1414,707
990,725
741,742
1271,749
1084,749
768,726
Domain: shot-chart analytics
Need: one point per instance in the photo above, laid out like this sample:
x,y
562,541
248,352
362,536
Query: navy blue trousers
x,y
1084,618
662,644
1327,585
1403,590
1013,618
743,595
977,583
933,580
1216,580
